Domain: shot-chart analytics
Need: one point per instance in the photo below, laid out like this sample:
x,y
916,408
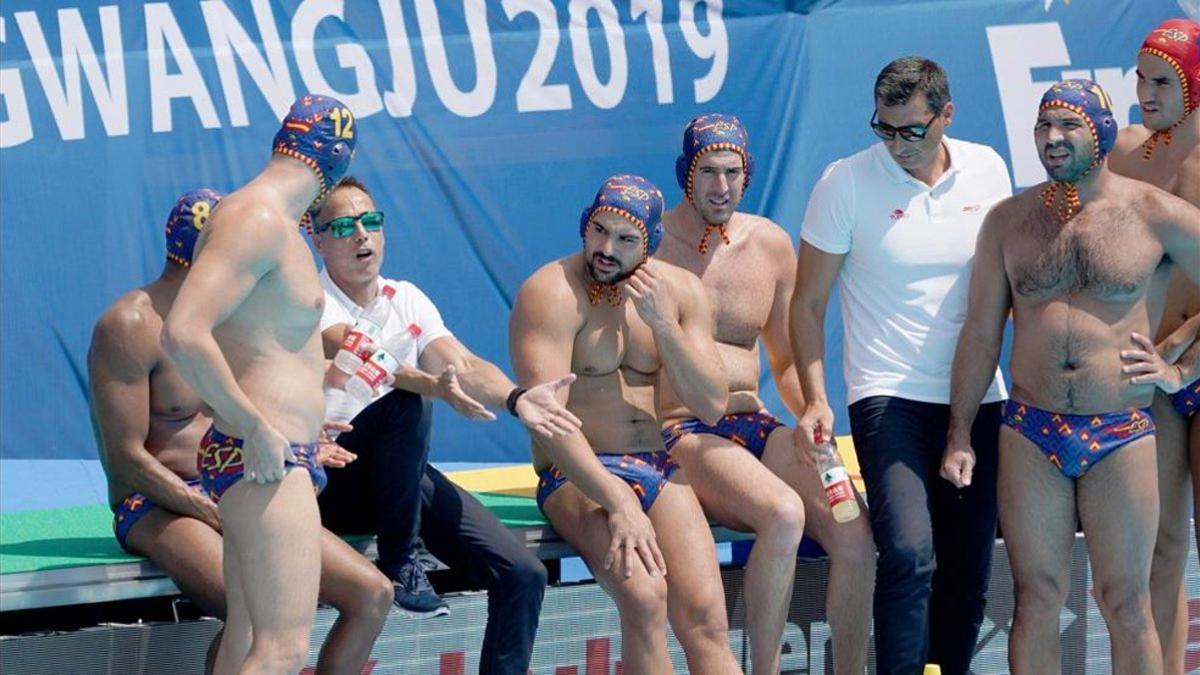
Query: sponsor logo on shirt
x,y
897,214
972,208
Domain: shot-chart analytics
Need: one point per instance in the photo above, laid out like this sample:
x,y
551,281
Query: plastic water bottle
x,y
377,371
836,481
356,345
339,407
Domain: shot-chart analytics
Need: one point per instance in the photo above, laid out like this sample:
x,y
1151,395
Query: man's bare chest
x,y
1108,254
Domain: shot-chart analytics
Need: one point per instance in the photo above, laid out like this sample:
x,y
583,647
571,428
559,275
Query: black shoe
x,y
414,594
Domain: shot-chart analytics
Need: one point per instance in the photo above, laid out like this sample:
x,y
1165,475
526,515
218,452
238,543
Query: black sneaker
x,y
414,594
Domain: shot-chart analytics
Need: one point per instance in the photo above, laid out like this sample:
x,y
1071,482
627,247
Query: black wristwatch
x,y
511,401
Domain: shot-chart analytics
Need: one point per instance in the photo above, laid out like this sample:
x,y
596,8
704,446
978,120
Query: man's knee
x,y
643,601
525,578
1041,595
1125,605
375,601
700,617
908,560
782,524
283,653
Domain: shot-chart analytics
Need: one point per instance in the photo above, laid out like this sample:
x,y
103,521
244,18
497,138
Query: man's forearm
x,y
415,380
1182,348
701,386
574,456
808,344
975,360
141,472
787,383
1188,363
484,381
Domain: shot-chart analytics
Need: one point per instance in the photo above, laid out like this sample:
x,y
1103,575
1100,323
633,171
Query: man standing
x,y
1080,262
148,425
1165,151
391,489
611,489
896,225
745,469
243,334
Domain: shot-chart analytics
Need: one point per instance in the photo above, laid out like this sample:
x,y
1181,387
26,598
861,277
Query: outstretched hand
x,y
450,390
540,410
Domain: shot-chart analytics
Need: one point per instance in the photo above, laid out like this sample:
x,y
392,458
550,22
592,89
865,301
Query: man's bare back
x,y
1079,290
126,344
741,279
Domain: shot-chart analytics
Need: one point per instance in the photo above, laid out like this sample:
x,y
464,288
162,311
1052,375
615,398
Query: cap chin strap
x,y
1161,136
598,289
708,229
1071,203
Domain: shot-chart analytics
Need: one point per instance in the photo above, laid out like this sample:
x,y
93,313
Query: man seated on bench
x,y
628,324
148,425
391,490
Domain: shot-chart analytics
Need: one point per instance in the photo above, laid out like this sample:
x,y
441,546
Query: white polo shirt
x,y
909,249
409,306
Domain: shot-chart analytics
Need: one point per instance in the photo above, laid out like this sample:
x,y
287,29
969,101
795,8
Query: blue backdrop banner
x,y
484,128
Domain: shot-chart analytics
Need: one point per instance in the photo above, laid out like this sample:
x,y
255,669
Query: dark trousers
x,y
935,541
392,491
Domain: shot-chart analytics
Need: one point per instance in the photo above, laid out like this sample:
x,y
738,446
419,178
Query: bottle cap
x,y
389,291
414,330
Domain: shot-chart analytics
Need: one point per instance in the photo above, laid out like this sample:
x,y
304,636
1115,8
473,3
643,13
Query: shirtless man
x,y
1081,262
1165,151
745,470
149,424
243,333
611,489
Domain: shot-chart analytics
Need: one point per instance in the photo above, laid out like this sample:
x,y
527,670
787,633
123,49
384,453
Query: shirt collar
x,y
899,175
338,294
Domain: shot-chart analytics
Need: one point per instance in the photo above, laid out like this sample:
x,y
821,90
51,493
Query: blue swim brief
x,y
749,430
1075,443
645,472
133,508
220,463
1187,400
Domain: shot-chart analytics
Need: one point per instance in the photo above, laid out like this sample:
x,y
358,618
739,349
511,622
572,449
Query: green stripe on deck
x,y
82,536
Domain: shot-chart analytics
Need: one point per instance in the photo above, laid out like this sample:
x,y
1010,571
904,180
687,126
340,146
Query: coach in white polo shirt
x,y
391,490
896,224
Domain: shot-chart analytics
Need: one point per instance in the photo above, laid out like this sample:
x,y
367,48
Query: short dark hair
x,y
352,182
901,78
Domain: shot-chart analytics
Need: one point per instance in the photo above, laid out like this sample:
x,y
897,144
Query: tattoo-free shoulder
x,y
130,325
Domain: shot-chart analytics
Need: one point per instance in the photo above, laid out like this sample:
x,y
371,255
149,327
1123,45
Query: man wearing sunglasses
x,y
391,489
895,224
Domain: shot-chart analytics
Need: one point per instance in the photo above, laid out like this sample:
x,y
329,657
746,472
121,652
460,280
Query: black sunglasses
x,y
372,221
909,132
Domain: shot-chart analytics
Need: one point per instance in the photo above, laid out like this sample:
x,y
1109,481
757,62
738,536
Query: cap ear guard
x,y
682,164
584,217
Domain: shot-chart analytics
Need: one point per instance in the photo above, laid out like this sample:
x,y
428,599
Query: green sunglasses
x,y
372,221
